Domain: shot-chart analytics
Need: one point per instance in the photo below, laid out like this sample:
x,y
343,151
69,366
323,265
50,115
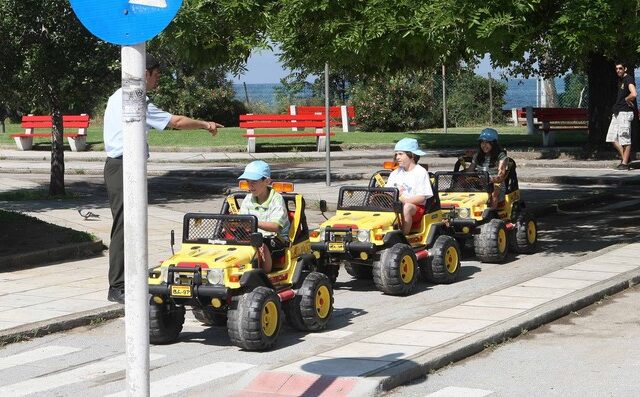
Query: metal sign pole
x,y
134,114
327,123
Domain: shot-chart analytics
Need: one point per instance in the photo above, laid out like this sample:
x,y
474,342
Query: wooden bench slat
x,y
77,140
274,135
281,117
280,124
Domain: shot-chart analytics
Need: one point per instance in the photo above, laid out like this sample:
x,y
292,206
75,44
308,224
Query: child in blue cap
x,y
411,180
492,158
270,209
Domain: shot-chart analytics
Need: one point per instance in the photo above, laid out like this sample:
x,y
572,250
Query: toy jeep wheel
x,y
359,271
254,319
165,322
443,265
526,233
209,317
396,273
312,306
492,242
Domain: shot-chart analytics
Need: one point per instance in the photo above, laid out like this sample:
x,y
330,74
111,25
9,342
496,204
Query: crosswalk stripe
x,y
453,391
31,356
81,374
192,378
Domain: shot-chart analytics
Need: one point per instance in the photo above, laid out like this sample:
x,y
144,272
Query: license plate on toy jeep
x,y
336,247
181,291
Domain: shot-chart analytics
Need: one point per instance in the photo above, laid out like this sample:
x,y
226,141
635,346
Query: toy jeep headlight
x,y
215,276
363,235
463,212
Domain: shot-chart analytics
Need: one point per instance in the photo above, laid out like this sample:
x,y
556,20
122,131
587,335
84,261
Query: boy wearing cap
x,y
269,207
113,144
492,158
411,180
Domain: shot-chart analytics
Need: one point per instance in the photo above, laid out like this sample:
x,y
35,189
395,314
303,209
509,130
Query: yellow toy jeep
x,y
465,198
366,237
217,274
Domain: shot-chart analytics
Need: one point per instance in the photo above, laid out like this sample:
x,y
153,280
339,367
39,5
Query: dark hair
x,y
496,149
411,155
152,63
623,64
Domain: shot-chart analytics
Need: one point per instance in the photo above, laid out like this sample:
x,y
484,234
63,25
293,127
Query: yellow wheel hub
x,y
502,241
407,268
269,318
531,232
323,301
451,259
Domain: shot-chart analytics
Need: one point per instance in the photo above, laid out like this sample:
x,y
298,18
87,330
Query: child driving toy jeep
x,y
411,180
491,158
269,207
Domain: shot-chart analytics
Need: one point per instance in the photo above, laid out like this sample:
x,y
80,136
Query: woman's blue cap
x,y
488,134
408,145
256,170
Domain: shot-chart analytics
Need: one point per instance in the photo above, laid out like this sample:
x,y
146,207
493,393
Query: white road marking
x,y
453,391
81,374
150,3
335,334
195,377
31,356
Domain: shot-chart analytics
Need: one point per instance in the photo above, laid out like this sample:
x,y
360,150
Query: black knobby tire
x,y
165,323
526,233
443,263
311,308
209,317
491,243
254,319
396,273
358,271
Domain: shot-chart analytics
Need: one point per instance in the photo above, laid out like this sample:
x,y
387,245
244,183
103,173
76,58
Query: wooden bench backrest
x,y
334,111
555,114
71,121
281,120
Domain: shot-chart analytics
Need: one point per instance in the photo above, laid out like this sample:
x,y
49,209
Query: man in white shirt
x,y
156,118
411,180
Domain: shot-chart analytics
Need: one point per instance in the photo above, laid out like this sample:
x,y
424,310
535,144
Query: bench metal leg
x,y
251,145
78,144
24,142
548,138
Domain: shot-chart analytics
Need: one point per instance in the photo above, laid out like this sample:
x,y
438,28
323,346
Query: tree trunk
x,y
550,93
56,184
602,95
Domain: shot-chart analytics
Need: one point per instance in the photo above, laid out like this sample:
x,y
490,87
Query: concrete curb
x,y
403,371
39,258
59,324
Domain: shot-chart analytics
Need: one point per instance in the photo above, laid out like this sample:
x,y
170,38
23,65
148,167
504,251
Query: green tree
x,y
526,36
62,67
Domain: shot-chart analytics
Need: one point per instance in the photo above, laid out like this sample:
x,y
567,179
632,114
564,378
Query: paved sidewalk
x,y
63,295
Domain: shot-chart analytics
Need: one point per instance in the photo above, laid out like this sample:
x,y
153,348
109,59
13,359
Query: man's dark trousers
x,y
113,180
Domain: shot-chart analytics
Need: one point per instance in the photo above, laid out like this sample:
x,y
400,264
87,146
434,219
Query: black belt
x,y
116,158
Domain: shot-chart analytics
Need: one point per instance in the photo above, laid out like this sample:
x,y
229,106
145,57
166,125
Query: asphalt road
x,y
89,360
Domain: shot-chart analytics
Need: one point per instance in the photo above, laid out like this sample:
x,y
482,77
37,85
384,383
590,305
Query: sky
x,y
263,68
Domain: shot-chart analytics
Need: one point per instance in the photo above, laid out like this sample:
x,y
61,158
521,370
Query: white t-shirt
x,y
411,183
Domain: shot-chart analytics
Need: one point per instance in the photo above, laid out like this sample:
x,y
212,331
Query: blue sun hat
x,y
256,170
488,134
408,145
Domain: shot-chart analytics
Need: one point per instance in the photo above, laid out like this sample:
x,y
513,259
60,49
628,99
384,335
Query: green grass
x,y
231,139
32,194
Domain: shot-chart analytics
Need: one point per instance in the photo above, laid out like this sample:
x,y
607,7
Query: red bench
x,y
253,122
339,115
77,141
550,120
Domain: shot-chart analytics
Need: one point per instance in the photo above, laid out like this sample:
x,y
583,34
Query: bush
x,y
206,95
401,102
468,100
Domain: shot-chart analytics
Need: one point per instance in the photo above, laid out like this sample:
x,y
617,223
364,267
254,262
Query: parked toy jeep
x,y
366,237
464,196
217,274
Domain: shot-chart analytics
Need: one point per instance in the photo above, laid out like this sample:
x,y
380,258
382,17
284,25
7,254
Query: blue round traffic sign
x,y
125,22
